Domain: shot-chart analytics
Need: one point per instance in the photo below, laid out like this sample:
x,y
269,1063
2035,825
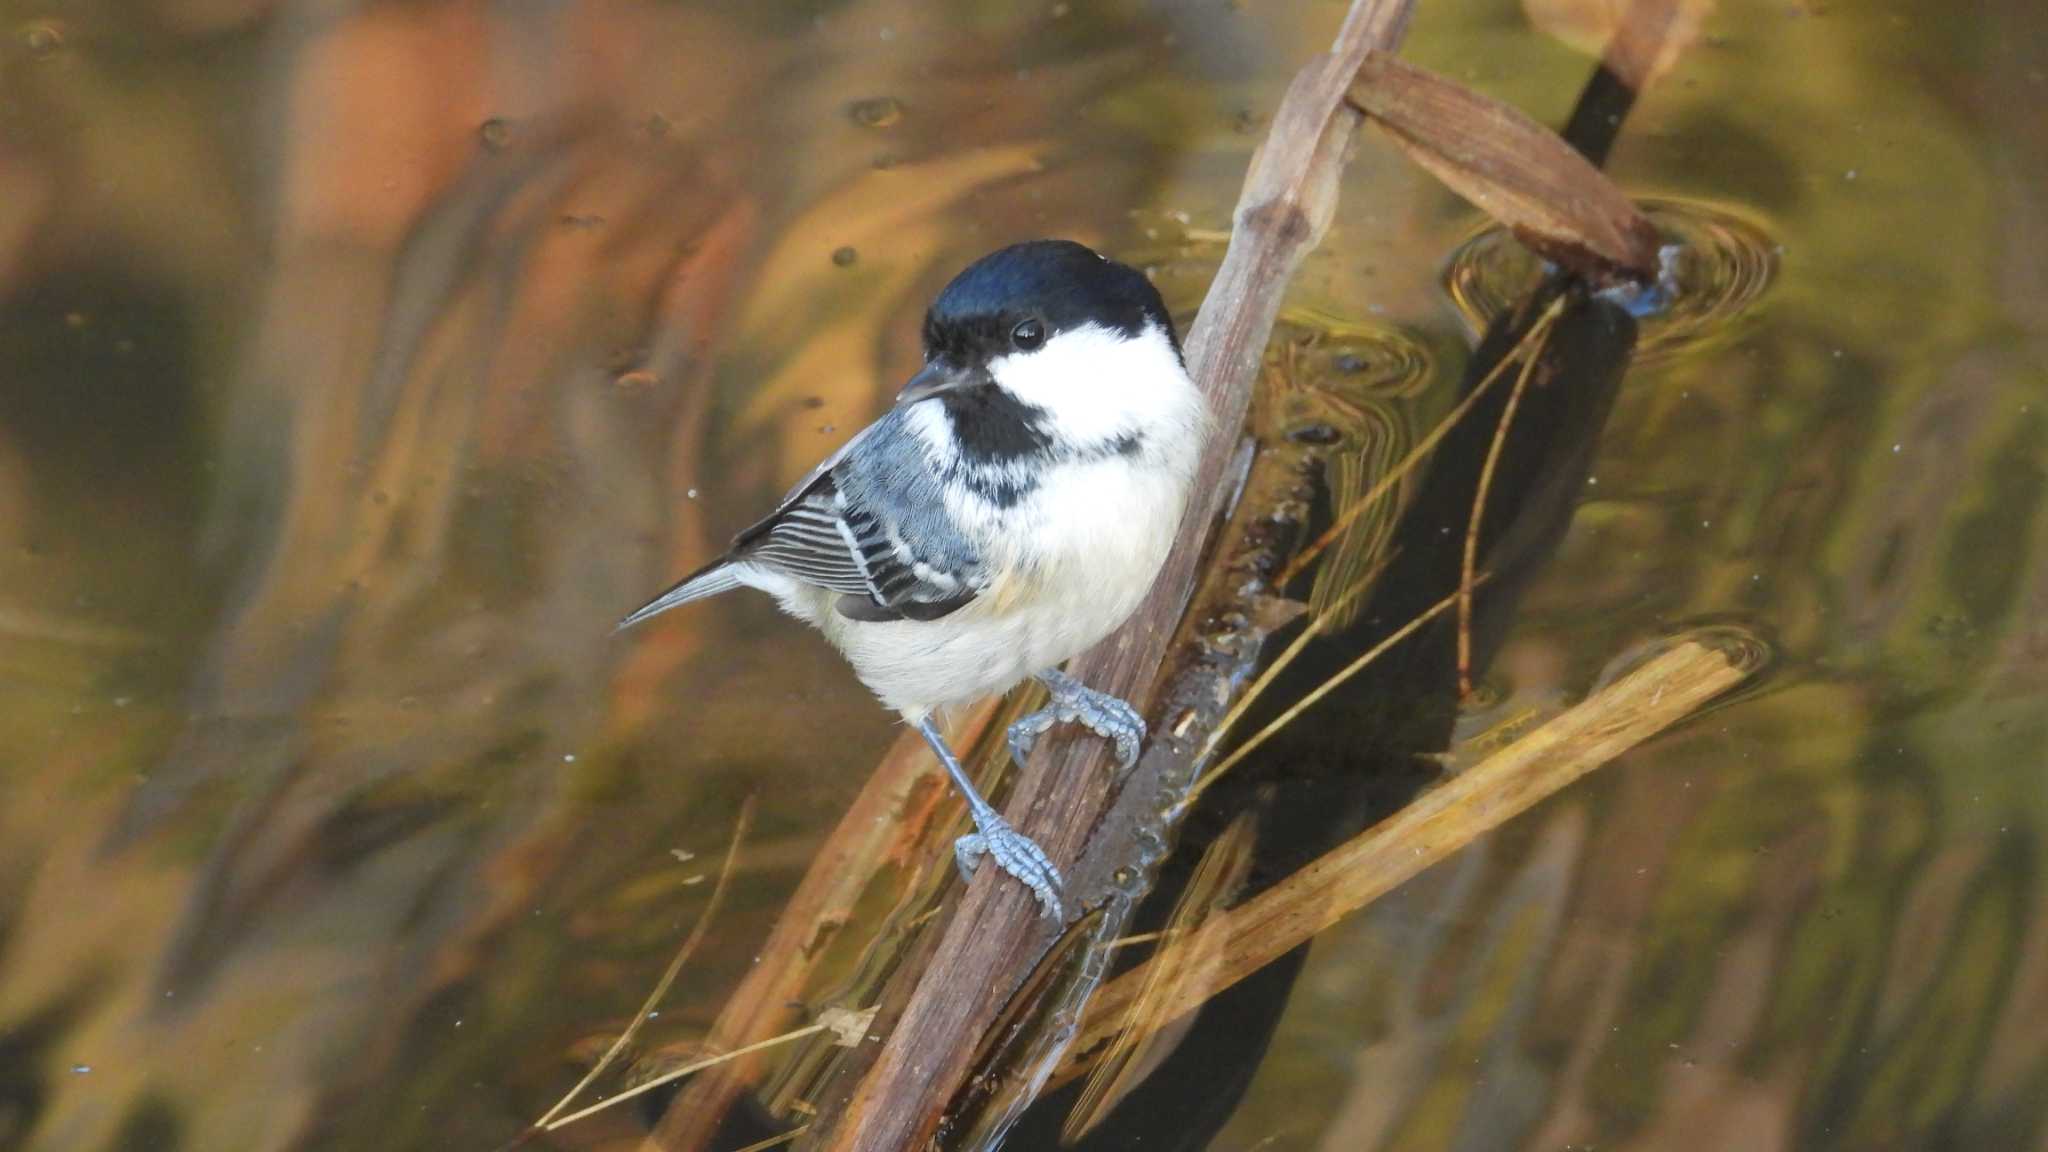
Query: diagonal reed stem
x,y
1525,346
1321,690
675,1074
1636,707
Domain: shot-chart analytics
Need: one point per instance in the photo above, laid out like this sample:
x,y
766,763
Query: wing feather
x,y
827,541
822,537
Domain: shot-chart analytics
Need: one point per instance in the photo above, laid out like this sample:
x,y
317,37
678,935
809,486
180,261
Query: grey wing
x,y
863,550
868,523
794,527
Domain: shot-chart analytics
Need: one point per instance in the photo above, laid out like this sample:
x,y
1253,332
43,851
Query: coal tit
x,y
1009,511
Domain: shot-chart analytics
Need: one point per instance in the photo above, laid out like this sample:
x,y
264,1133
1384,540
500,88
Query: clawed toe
x,y
967,853
1074,703
1118,721
1025,732
1017,855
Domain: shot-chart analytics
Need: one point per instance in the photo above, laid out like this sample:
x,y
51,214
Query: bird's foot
x,y
1075,703
1014,853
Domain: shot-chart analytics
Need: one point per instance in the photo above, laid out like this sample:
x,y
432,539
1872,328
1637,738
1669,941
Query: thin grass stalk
x,y
675,966
1273,670
1321,690
675,1074
1500,438
1407,464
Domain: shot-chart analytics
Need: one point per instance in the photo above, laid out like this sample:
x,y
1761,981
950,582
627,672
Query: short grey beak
x,y
930,381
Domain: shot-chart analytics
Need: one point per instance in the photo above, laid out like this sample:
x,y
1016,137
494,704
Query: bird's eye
x,y
1028,335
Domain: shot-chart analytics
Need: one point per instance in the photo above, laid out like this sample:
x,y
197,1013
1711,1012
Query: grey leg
x,y
1075,702
1012,851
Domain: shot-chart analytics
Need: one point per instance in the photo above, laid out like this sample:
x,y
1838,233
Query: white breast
x,y
1099,533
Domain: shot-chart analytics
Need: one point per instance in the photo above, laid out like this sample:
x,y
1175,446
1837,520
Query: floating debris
x,y
848,1026
876,112
43,38
494,134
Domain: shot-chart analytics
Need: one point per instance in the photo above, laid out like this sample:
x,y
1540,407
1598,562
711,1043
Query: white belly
x,y
1098,536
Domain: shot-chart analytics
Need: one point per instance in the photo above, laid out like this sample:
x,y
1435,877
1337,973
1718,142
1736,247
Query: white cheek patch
x,y
1097,384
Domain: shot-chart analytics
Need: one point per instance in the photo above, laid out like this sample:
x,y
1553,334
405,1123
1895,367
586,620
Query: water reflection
x,y
362,364
1720,262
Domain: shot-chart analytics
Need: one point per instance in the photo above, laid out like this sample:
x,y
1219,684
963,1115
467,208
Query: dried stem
x,y
1469,571
1321,690
1636,707
675,1074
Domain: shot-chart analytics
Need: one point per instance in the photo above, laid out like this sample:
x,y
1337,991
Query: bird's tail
x,y
718,576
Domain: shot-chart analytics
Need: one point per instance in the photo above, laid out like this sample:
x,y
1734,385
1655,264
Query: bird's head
x,y
1048,344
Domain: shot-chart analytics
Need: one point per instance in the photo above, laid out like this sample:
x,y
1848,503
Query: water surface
x,y
360,365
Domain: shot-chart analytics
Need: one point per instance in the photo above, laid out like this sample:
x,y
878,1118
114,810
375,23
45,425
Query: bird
x,y
1012,508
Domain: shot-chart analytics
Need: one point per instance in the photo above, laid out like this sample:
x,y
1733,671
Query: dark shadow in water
x,y
27,1058
1362,753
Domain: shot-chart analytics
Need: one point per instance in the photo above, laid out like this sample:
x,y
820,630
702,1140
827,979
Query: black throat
x,y
994,430
992,426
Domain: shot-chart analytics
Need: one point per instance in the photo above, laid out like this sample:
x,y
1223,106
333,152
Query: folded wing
x,y
861,525
866,553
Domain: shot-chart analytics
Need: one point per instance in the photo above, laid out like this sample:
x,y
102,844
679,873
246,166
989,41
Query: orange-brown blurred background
x,y
361,363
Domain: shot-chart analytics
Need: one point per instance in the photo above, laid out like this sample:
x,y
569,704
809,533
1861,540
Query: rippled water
x,y
359,365
1721,264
